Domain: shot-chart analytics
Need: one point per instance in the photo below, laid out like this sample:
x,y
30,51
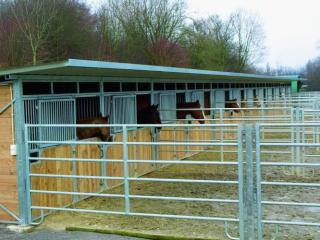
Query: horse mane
x,y
195,104
93,120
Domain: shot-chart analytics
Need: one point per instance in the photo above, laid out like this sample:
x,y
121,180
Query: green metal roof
x,y
76,67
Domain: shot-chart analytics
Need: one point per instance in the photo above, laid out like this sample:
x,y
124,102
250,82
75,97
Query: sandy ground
x,y
203,229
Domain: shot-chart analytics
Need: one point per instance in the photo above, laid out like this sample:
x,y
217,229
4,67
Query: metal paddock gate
x,y
271,182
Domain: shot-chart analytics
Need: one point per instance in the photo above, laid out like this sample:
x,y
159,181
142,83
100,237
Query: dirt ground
x,y
203,229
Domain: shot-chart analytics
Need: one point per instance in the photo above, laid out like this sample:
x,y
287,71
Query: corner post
x,y
21,160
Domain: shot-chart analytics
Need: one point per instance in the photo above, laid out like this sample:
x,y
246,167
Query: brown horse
x,y
196,113
149,115
244,104
101,132
233,105
256,102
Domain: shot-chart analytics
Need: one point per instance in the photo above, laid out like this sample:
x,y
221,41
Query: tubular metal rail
x,y
300,177
208,136
283,135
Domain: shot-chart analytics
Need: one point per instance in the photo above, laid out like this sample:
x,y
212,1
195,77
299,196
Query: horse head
x,y
149,115
233,103
256,102
105,131
198,113
155,115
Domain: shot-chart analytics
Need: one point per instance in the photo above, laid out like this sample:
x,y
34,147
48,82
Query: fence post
x,y
249,183
221,114
126,169
74,172
103,156
240,182
292,137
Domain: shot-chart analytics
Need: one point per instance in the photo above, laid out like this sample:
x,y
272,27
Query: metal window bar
x,y
168,101
56,112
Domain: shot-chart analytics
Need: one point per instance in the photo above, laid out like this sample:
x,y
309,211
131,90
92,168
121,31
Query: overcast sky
x,y
291,26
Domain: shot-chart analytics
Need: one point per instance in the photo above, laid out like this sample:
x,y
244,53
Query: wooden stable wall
x,y
113,169
8,168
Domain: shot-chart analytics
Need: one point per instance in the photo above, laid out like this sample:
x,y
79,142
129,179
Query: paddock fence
x,y
254,172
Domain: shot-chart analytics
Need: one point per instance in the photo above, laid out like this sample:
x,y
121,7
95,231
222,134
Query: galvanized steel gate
x,y
249,139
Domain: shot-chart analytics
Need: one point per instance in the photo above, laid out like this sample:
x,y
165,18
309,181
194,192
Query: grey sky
x,y
291,26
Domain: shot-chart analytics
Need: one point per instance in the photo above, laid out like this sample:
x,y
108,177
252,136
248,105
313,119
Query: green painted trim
x,y
294,87
137,70
135,234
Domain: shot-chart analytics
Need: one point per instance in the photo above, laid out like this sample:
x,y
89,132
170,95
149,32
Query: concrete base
x,y
20,228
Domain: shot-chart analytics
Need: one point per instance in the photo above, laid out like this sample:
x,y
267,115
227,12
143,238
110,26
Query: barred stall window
x,y
31,116
181,97
167,102
219,99
197,95
250,97
207,102
269,93
236,93
87,107
55,111
123,111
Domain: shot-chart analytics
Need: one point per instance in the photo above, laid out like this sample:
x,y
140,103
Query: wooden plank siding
x,y
113,169
8,167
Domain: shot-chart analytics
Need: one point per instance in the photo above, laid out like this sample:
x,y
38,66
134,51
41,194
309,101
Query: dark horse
x,y
101,132
233,105
192,108
149,115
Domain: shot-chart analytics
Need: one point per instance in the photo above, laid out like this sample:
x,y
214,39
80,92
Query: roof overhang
x,y
76,67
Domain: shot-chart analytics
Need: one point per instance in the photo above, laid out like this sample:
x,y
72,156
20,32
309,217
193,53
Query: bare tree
x,y
210,44
34,18
110,32
248,38
147,24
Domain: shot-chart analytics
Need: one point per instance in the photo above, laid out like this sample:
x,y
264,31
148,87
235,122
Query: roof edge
x,y
138,67
32,68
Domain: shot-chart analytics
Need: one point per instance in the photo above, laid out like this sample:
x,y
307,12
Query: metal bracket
x,y
5,107
41,219
12,214
226,232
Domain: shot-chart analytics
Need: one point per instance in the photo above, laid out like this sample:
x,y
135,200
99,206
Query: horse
x,y
256,102
233,105
149,115
244,104
197,113
101,132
